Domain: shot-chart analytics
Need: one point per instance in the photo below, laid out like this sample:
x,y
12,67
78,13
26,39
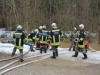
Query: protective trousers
x,y
81,50
31,46
21,53
55,51
54,48
20,50
73,44
14,50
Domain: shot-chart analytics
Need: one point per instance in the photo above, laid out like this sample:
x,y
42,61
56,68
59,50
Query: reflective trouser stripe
x,y
53,39
19,42
42,38
59,38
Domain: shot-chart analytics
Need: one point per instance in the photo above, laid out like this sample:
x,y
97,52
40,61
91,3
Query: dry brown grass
x,y
65,43
94,43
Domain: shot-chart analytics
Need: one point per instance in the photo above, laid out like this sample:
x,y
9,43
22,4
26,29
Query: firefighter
x,y
43,37
74,35
18,37
80,44
40,29
55,36
37,37
31,38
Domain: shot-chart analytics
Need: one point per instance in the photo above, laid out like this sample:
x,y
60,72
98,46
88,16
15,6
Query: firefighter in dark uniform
x,y
37,37
31,38
18,37
40,29
43,38
55,36
81,44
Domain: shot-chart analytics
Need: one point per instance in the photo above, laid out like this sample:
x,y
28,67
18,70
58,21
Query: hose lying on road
x,y
18,60
21,65
12,57
7,70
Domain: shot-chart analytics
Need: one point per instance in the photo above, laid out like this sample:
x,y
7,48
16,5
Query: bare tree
x,y
66,13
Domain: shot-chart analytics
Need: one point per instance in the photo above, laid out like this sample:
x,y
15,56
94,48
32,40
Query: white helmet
x,y
75,28
19,27
53,25
81,26
36,30
44,27
40,27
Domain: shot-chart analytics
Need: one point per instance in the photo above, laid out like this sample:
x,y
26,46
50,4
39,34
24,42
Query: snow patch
x,y
64,53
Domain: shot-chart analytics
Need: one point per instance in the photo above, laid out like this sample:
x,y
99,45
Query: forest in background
x,y
66,13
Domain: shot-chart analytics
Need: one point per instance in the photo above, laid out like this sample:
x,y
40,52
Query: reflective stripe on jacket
x,y
31,37
81,43
19,37
55,35
42,38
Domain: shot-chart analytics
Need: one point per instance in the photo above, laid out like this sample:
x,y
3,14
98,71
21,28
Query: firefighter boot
x,y
57,53
40,50
76,54
85,56
21,60
54,56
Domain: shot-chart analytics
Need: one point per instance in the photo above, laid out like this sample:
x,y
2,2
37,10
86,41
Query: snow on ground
x,y
7,48
93,57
